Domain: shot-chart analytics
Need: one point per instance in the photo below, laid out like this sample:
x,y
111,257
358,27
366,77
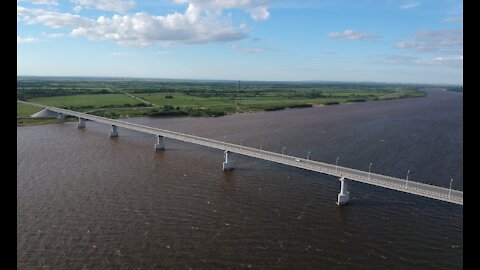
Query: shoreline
x,y
47,121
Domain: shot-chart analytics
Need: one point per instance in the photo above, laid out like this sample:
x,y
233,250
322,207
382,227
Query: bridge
x,y
344,174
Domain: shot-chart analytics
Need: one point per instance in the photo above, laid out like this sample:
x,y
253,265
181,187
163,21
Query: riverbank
x,y
126,99
99,105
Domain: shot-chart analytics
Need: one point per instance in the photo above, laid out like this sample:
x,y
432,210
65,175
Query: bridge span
x,y
344,174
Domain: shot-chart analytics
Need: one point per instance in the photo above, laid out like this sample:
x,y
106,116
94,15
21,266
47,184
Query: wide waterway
x,y
87,201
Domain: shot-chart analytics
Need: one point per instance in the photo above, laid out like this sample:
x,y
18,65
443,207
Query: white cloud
x,y
410,5
349,34
406,45
140,29
435,41
257,8
259,13
450,60
21,40
21,11
77,9
202,22
120,6
51,19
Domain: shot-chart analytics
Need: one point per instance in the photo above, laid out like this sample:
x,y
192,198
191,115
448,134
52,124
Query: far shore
x,y
30,121
128,99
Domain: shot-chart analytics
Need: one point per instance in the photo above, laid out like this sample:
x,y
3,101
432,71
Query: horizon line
x,y
234,80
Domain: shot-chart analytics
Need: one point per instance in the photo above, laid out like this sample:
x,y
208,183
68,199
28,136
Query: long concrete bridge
x,y
343,173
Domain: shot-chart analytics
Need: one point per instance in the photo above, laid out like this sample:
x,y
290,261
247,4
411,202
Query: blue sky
x,y
280,40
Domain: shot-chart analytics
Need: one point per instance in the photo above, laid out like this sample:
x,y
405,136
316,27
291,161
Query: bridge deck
x,y
425,190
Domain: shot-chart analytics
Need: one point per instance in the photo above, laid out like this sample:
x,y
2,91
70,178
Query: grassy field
x,y
268,99
23,116
179,99
86,101
24,110
105,98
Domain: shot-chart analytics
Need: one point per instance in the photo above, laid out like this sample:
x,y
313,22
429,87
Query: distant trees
x,y
27,93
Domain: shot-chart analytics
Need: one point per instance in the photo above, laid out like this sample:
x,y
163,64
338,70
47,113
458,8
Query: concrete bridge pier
x,y
114,131
160,145
344,194
81,123
228,164
60,116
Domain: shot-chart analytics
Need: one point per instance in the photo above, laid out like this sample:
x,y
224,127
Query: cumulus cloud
x,y
140,29
51,19
258,9
77,9
120,6
21,40
410,5
202,22
349,34
434,41
259,13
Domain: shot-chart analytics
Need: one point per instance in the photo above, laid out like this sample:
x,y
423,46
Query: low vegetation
x,y
199,98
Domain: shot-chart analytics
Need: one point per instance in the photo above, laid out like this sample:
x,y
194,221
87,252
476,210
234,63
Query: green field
x,y
24,110
199,98
86,101
179,99
23,116
269,99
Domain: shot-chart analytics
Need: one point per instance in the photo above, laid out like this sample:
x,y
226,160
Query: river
x,y
88,201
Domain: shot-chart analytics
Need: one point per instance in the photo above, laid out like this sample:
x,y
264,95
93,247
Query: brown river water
x,y
87,201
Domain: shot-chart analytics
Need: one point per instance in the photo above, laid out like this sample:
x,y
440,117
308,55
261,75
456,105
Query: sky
x,y
398,41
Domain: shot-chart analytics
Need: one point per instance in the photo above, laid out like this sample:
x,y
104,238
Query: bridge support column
x,y
160,145
81,123
114,131
228,164
60,116
344,194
